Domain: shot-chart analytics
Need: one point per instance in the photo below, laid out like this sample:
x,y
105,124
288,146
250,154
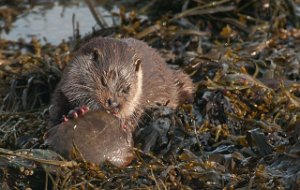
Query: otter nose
x,y
112,103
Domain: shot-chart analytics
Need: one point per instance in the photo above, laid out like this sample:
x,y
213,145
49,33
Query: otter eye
x,y
125,90
103,82
112,75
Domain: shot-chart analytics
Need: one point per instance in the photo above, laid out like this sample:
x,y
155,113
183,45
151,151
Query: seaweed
x,y
241,132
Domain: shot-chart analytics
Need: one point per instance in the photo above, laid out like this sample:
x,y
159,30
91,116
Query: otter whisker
x,y
83,87
135,119
76,98
93,105
146,114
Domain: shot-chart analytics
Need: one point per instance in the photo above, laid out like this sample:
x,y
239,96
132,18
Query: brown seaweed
x,y
241,132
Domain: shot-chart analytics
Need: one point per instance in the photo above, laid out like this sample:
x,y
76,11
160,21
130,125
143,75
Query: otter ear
x,y
96,55
137,65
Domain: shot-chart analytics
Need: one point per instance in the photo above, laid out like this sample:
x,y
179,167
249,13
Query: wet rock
x,y
95,137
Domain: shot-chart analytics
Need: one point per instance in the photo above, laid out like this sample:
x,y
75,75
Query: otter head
x,y
119,86
108,78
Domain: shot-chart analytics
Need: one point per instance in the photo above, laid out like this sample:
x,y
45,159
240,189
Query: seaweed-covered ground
x,y
242,131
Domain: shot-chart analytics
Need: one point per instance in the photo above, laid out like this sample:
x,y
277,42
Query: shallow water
x,y
52,22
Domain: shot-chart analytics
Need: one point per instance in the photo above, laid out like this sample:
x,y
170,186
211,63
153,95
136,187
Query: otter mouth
x,y
113,112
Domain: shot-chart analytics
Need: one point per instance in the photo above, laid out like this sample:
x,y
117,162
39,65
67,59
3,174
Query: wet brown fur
x,y
106,68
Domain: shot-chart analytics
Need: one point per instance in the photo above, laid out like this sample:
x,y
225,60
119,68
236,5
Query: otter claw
x,y
65,119
81,110
75,113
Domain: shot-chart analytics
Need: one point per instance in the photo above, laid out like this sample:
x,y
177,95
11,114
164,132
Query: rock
x,y
96,137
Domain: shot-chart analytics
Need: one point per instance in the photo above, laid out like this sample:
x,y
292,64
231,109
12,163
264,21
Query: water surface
x,y
52,22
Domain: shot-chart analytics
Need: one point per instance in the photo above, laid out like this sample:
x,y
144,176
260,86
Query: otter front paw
x,y
75,113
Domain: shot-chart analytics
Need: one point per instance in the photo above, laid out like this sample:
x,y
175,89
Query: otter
x,y
124,77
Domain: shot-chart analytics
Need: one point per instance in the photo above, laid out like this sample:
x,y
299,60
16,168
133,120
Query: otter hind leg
x,y
186,88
